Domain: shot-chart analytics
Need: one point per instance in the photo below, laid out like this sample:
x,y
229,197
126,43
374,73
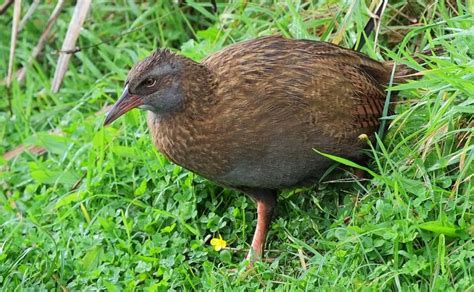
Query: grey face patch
x,y
166,95
164,100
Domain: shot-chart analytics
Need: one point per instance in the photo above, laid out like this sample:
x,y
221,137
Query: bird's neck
x,y
198,87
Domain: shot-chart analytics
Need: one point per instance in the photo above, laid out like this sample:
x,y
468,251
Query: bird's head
x,y
153,84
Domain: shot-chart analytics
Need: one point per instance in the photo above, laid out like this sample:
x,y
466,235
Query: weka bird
x,y
249,116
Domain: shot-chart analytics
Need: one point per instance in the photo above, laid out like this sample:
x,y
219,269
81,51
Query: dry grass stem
x,y
28,14
42,40
16,19
5,5
80,13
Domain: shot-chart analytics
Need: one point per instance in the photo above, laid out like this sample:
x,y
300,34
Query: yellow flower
x,y
363,137
218,243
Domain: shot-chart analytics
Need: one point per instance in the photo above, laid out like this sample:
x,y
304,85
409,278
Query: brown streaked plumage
x,y
249,116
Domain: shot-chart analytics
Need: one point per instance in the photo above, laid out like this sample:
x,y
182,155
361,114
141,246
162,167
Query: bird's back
x,y
277,100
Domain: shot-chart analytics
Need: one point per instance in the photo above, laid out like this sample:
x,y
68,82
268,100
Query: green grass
x,y
104,210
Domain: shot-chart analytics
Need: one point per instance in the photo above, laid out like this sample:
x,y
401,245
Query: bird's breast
x,y
188,145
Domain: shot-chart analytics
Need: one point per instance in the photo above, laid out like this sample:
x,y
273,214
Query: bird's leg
x,y
264,217
266,201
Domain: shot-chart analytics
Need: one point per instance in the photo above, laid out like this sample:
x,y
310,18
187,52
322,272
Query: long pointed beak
x,y
126,102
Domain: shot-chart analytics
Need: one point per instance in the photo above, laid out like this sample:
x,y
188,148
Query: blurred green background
x,y
85,207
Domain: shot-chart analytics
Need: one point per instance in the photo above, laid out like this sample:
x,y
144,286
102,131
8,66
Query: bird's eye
x,y
149,82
